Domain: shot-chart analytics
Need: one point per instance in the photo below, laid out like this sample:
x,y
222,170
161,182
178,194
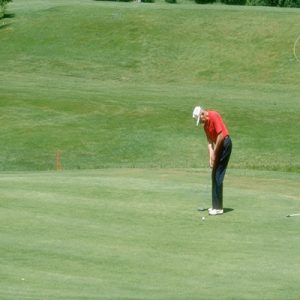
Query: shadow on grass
x,y
4,25
8,16
225,210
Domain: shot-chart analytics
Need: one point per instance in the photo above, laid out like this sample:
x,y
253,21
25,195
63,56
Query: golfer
x,y
219,149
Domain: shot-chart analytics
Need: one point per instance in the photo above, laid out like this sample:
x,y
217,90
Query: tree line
x,y
274,3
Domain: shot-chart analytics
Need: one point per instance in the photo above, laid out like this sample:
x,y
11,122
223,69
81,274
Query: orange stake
x,y
58,161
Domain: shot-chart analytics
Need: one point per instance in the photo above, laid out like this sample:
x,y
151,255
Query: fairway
x,y
137,234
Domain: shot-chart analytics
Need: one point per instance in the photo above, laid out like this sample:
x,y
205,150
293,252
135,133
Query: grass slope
x,y
114,84
137,234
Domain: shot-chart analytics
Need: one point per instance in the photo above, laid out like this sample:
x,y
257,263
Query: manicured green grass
x,y
114,84
137,234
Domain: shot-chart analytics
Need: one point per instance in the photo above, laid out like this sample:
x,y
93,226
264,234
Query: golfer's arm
x,y
219,141
211,153
210,147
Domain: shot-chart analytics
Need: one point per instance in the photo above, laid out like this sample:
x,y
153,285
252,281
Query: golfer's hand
x,y
212,160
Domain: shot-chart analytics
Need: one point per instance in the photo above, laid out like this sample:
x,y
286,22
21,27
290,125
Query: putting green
x,y
137,234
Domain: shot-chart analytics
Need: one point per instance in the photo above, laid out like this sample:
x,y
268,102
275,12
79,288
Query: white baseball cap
x,y
196,114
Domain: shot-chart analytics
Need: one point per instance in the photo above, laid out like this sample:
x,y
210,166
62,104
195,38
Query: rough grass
x,y
114,84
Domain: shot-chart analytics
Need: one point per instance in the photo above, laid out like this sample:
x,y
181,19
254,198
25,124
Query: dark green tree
x,y
3,4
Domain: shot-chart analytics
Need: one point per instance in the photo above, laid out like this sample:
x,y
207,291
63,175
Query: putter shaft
x,y
293,215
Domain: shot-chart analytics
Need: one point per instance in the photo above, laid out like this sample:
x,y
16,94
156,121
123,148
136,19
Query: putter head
x,y
202,208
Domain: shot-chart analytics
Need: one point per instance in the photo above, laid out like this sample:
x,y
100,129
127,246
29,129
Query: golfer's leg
x,y
218,203
215,196
220,173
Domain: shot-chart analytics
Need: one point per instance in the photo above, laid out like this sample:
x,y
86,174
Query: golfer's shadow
x,y
225,210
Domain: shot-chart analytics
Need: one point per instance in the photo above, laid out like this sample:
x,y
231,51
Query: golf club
x,y
293,215
202,208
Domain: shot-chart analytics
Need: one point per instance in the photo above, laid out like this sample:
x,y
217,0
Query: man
x,y
219,149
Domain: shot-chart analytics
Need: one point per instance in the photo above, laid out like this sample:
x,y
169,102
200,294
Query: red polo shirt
x,y
214,126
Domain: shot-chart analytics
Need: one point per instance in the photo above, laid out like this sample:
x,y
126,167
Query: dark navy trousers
x,y
218,173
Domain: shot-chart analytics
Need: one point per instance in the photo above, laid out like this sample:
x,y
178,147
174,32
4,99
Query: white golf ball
x,y
203,218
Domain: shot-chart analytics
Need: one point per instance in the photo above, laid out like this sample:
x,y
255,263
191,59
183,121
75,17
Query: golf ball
x,y
203,218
